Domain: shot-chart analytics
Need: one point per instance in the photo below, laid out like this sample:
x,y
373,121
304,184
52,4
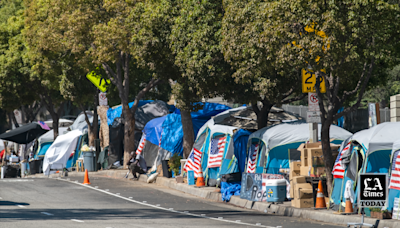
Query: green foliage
x,y
175,163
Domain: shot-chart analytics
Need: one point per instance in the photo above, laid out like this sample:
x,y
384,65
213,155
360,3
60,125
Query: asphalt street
x,y
42,202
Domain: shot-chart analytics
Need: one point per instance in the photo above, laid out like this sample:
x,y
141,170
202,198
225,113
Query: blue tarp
x,y
113,113
240,139
43,149
229,189
153,130
172,132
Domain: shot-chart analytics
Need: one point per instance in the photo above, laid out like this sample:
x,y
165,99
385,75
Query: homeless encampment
x,y
367,151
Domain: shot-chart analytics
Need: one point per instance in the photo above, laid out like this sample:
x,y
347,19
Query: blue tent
x,y
240,139
394,187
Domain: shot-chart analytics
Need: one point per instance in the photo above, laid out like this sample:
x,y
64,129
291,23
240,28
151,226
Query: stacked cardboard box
x,y
294,169
312,163
301,192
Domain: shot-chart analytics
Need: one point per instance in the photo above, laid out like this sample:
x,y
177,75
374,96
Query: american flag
x,y
395,176
141,144
251,164
193,162
338,169
216,152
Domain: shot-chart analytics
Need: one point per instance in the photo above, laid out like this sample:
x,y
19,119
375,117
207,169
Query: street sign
x,y
98,81
103,99
313,104
313,117
308,81
373,189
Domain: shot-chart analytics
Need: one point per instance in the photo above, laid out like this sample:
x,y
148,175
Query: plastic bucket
x,y
88,160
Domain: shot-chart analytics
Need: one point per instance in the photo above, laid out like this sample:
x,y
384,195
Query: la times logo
x,y
372,191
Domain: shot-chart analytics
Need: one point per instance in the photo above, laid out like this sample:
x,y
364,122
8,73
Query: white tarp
x,y
284,133
379,137
58,153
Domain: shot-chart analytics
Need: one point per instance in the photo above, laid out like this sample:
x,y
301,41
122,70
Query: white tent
x,y
58,153
284,133
379,137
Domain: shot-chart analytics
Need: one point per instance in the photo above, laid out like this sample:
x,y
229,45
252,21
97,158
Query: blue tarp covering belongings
x,y
271,145
367,151
164,135
229,189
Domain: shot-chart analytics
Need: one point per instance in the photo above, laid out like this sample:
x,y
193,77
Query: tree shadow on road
x,y
10,203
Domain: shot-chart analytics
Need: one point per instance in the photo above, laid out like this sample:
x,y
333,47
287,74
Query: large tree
x,y
96,32
262,78
347,43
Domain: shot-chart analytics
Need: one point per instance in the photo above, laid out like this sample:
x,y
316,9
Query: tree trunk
x,y
129,133
13,119
92,127
262,114
188,133
326,149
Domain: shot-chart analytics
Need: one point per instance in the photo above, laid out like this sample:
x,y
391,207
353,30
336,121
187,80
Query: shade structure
x,y
24,134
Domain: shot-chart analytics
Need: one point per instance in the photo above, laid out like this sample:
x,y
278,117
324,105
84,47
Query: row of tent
x,y
374,150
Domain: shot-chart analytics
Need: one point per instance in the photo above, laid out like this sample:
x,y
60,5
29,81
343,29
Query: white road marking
x,y
165,209
1,198
45,213
20,206
18,180
76,220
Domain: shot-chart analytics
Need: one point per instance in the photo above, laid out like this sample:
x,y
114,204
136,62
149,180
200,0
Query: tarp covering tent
x,y
45,141
394,186
145,113
59,152
246,118
116,111
372,148
276,141
170,138
80,122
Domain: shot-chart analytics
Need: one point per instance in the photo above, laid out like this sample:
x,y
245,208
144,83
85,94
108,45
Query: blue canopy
x,y
153,129
113,113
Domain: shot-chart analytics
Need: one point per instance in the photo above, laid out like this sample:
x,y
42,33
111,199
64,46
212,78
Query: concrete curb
x,y
277,209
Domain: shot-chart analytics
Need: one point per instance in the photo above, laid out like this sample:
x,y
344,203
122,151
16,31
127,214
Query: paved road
x,y
117,204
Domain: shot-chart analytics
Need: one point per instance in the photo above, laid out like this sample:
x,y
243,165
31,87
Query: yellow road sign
x,y
308,81
98,81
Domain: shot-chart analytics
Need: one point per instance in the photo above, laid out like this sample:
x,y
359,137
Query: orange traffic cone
x,y
349,206
320,203
86,179
200,179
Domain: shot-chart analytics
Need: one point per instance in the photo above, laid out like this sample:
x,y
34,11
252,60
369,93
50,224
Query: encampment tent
x,y
368,151
59,152
273,144
80,122
164,135
394,186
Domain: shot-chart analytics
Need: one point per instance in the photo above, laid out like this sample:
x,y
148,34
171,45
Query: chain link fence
x,y
353,122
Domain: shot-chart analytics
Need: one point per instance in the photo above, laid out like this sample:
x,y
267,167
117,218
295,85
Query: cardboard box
x,y
295,166
291,191
303,193
298,180
305,171
303,203
294,174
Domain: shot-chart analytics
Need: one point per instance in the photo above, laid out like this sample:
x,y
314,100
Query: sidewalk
x,y
283,209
